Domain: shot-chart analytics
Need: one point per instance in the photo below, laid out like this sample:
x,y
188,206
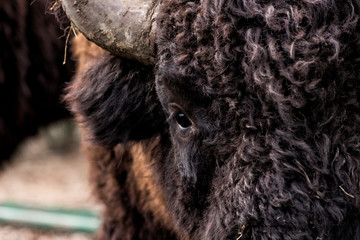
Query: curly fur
x,y
272,91
31,71
283,84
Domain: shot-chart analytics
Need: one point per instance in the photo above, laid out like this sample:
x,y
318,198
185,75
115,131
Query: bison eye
x,y
182,120
177,113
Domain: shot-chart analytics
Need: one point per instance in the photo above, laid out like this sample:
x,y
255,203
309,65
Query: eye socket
x,y
182,120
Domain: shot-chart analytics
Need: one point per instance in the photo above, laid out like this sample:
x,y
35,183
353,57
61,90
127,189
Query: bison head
x,y
254,104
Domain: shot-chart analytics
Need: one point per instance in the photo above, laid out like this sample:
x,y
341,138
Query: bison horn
x,y
125,28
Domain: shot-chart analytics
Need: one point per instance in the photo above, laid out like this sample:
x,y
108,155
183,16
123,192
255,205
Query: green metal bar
x,y
50,218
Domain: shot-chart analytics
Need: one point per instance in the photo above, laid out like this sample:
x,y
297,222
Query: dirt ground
x,y
48,170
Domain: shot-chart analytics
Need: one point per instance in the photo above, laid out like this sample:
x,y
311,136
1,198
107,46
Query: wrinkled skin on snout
x,y
254,111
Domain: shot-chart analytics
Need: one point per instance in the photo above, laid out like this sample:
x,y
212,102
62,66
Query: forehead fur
x,y
282,49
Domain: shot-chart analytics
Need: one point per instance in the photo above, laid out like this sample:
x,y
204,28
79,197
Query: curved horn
x,y
123,27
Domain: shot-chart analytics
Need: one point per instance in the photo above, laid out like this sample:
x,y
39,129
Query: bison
x,y
222,119
32,74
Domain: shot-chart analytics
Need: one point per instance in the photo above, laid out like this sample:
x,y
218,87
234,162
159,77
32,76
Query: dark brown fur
x,y
32,75
122,175
273,152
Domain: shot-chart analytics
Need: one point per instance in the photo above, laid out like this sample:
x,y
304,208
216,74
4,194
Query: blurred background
x,y
48,172
44,179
